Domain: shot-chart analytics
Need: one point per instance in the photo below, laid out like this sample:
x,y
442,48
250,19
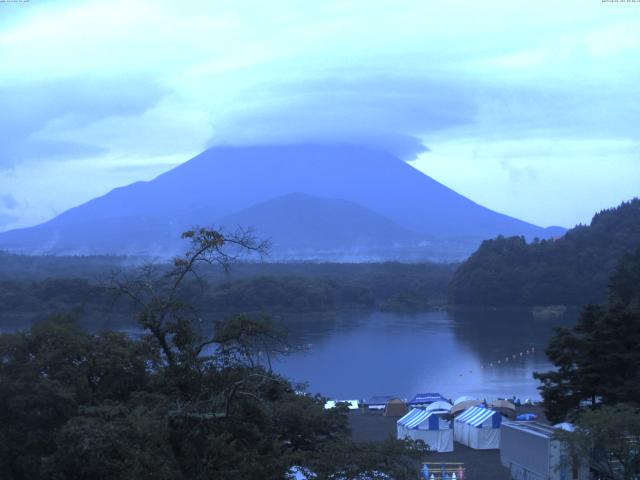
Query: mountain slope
x,y
301,221
571,270
146,216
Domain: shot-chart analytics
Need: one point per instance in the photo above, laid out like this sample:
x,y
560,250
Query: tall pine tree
x,y
598,361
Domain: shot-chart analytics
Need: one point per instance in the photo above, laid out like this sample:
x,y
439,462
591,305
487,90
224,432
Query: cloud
x,y
245,73
32,107
114,83
387,111
8,201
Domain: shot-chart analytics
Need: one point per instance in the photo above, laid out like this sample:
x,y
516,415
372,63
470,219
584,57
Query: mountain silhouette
x,y
361,192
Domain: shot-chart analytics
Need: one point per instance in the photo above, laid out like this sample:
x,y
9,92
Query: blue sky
x,y
530,108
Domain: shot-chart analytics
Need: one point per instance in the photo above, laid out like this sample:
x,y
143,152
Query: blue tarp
x,y
527,417
426,398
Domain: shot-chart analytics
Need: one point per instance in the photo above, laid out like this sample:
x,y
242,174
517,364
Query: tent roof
x,y
415,418
503,404
439,405
569,427
476,416
423,398
464,405
465,398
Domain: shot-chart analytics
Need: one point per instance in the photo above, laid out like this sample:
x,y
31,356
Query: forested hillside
x,y
597,362
33,287
571,270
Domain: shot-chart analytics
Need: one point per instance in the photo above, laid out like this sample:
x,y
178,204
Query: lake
x,y
483,353
355,355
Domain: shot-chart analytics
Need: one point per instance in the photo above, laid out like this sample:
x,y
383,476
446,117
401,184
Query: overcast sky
x,y
531,108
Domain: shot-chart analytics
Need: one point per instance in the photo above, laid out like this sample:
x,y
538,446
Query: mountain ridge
x,y
222,181
572,270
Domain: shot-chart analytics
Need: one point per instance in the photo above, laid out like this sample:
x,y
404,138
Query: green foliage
x,y
75,405
250,288
609,437
571,270
174,404
380,460
598,361
48,373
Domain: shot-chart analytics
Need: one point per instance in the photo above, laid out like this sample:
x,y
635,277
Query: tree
x,y
610,437
598,361
182,402
48,373
157,293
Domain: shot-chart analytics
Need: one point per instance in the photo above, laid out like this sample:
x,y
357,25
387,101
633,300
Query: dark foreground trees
x,y
609,437
179,402
597,380
598,361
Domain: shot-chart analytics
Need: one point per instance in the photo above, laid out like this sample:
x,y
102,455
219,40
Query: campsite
x,y
473,446
330,240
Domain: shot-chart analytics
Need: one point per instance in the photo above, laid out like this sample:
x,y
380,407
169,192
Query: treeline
x,y
76,406
596,380
598,360
41,267
571,270
179,402
251,288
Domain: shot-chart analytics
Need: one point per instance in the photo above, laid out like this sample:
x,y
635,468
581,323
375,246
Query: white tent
x,y
439,406
478,428
351,404
569,427
429,427
464,398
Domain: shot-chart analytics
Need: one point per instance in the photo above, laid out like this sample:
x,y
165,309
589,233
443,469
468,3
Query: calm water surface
x,y
358,355
353,356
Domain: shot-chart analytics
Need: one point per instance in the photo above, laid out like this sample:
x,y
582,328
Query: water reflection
x,y
359,355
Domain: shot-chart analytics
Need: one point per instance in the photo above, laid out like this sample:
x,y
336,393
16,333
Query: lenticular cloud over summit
x,y
135,88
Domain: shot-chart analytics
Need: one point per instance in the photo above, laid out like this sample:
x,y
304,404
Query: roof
x,y
535,428
380,399
476,416
424,398
465,398
440,405
417,417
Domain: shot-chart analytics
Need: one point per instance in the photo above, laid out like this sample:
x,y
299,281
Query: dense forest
x,y
598,360
178,403
571,270
32,287
596,380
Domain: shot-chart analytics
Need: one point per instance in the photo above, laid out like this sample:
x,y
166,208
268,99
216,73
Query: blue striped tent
x,y
429,427
478,428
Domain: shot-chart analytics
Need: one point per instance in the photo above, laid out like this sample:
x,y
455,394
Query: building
x,y
530,451
379,402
